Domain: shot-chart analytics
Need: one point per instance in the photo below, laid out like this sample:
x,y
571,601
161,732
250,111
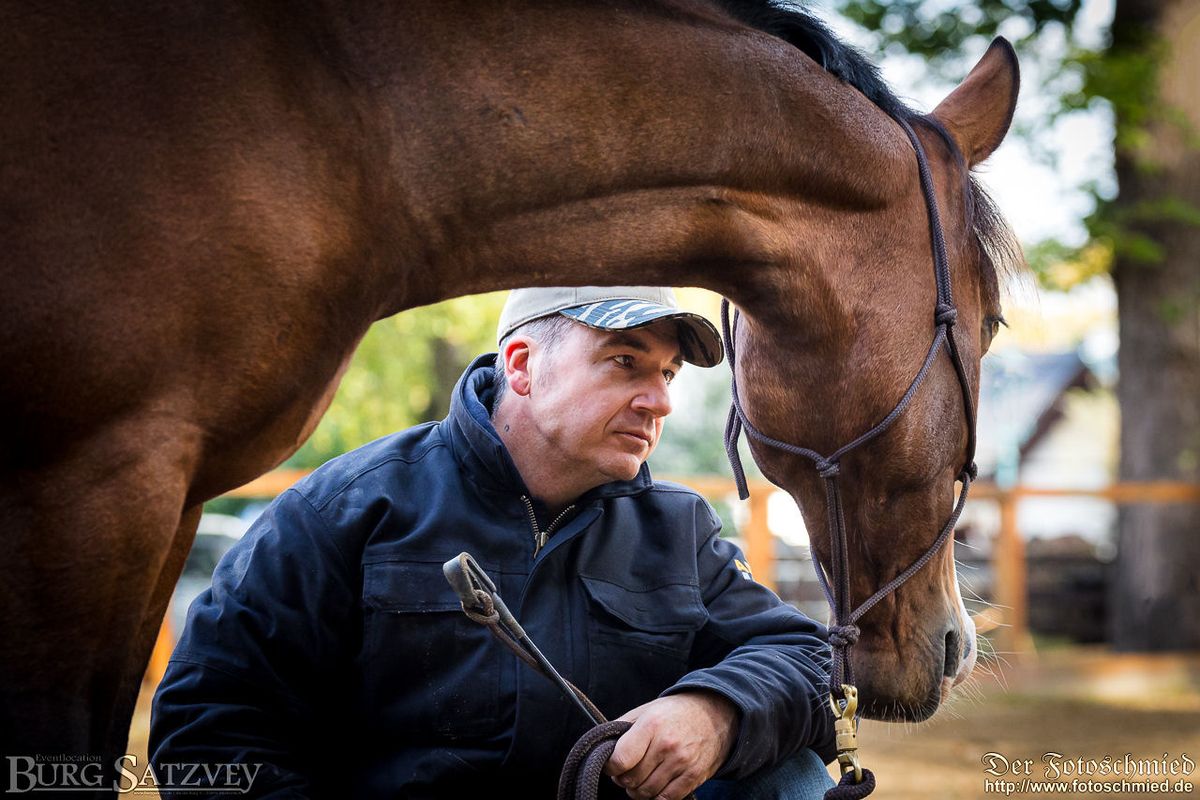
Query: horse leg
x,y
89,542
140,649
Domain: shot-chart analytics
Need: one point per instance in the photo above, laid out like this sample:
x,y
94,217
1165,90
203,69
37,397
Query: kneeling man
x,y
331,650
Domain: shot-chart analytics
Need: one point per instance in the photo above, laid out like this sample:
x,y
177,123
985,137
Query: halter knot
x,y
971,470
827,469
945,314
843,635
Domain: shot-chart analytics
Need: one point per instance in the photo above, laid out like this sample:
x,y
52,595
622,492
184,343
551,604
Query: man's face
x,y
599,398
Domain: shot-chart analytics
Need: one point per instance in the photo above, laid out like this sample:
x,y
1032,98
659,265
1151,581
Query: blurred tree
x,y
403,373
1157,275
1148,235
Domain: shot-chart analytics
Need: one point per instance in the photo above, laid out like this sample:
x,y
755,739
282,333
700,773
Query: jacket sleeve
x,y
245,681
762,654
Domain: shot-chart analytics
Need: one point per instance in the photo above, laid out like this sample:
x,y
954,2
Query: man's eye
x,y
624,361
670,376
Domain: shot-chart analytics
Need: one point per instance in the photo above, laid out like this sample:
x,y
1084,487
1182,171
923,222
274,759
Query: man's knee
x,y
801,777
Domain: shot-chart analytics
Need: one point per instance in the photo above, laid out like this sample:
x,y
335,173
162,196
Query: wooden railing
x,y
1011,629
760,550
1010,591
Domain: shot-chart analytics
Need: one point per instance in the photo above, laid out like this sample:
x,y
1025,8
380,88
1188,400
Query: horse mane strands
x,y
812,37
999,248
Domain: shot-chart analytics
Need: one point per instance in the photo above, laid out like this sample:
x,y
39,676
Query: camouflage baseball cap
x,y
614,308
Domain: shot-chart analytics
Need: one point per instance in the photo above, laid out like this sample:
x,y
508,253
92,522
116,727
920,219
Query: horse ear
x,y
978,112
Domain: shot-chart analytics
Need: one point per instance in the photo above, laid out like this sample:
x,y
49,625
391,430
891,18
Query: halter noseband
x,y
844,632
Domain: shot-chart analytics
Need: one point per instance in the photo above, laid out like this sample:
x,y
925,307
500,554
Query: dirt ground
x,y
1080,703
1077,702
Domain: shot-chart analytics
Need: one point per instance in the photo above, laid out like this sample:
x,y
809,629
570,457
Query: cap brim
x,y
699,341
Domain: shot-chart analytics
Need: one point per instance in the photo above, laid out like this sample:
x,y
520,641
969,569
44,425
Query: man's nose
x,y
655,398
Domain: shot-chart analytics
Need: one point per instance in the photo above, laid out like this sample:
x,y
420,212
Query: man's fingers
x,y
683,785
674,744
630,750
655,783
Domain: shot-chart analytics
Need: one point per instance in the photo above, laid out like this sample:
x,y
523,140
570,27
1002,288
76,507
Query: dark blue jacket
x,y
331,649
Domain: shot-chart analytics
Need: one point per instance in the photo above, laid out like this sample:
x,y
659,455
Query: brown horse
x,y
204,206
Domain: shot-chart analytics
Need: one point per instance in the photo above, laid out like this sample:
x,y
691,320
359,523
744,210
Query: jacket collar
x,y
482,455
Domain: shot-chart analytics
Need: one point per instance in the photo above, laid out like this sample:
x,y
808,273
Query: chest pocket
x,y
426,667
639,640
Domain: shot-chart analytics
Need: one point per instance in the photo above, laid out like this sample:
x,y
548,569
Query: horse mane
x,y
999,248
812,37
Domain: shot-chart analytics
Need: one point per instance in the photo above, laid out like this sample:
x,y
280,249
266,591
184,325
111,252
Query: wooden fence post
x,y
760,544
163,647
1010,591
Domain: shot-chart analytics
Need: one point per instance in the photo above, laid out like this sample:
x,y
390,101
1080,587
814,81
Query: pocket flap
x,y
671,608
408,586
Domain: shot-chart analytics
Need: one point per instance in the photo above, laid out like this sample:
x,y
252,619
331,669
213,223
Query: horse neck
x,y
580,145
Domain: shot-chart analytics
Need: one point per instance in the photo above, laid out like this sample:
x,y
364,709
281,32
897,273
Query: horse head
x,y
829,351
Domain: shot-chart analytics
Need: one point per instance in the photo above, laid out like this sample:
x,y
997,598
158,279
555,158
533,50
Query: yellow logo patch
x,y
744,569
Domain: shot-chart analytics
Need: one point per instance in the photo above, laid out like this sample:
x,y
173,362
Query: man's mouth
x,y
640,438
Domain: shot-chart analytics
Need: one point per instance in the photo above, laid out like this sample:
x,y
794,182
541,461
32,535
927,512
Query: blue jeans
x,y
802,777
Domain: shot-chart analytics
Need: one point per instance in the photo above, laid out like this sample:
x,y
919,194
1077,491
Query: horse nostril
x,y
950,667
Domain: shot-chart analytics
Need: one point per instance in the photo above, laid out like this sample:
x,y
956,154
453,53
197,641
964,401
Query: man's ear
x,y
516,365
978,112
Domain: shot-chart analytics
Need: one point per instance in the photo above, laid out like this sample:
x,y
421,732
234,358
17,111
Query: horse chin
x,y
888,696
910,710
891,710
911,685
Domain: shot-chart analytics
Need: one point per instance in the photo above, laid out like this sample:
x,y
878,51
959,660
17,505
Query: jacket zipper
x,y
540,536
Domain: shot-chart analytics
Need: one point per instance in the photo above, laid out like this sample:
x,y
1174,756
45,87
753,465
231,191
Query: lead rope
x,y
584,765
857,781
481,602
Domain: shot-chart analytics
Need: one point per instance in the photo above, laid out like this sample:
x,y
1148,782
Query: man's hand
x,y
676,743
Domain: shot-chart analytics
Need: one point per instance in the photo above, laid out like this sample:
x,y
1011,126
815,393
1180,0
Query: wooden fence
x,y
1011,627
1008,554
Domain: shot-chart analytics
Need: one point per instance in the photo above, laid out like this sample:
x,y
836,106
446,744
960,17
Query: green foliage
x,y
1174,310
1125,229
938,32
1165,209
1122,74
402,374
1059,267
234,506
940,35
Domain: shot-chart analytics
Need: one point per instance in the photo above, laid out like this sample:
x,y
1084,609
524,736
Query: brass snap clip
x,y
846,730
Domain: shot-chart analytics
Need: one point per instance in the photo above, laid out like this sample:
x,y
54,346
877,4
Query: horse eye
x,y
994,323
